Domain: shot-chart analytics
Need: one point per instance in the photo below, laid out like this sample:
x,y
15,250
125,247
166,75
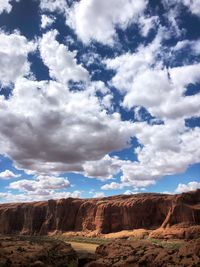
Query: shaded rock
x,y
144,254
29,252
105,215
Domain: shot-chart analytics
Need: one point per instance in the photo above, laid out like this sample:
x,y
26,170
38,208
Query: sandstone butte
x,y
158,212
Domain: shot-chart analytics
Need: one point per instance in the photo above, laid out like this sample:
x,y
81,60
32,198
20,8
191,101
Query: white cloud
x,y
193,46
172,15
129,192
98,195
146,89
166,149
147,23
129,180
61,62
46,21
187,187
181,44
144,81
103,169
29,197
47,127
97,20
184,75
174,8
193,5
14,50
91,58
167,192
5,6
163,96
42,187
113,186
129,65
138,113
7,174
41,183
52,5
59,130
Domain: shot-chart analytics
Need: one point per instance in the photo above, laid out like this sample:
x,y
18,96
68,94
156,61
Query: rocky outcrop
x,y
18,252
105,215
183,218
145,254
185,209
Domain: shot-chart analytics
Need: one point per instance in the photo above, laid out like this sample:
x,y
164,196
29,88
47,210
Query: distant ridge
x,y
103,215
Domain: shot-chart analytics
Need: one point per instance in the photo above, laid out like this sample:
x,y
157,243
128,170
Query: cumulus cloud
x,y
41,183
7,174
97,20
144,82
166,149
193,6
98,195
52,5
127,66
56,130
53,127
163,96
147,23
129,192
29,197
129,180
103,169
193,46
187,187
113,186
42,187
61,62
46,21
5,6
14,50
173,14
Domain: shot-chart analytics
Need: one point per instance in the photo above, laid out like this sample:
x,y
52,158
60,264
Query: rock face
x,y
144,254
185,208
29,252
105,215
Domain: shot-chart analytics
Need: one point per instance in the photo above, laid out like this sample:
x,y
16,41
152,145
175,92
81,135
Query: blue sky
x,y
98,98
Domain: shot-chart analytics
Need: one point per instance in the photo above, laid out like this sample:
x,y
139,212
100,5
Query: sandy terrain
x,y
83,247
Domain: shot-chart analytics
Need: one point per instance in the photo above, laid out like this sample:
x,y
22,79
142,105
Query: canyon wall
x,y
105,215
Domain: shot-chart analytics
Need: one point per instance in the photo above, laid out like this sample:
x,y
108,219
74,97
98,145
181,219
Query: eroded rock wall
x,y
104,215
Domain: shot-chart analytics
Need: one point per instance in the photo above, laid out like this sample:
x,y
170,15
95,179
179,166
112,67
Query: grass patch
x,y
169,244
174,244
79,239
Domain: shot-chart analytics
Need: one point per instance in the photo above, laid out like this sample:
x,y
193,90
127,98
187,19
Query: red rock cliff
x,y
105,215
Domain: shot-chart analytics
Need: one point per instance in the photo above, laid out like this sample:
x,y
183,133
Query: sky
x,y
98,98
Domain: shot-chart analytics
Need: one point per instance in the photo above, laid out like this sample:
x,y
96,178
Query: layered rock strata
x,y
104,215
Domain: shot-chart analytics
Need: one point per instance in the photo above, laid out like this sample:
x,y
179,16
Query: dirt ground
x,y
83,247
